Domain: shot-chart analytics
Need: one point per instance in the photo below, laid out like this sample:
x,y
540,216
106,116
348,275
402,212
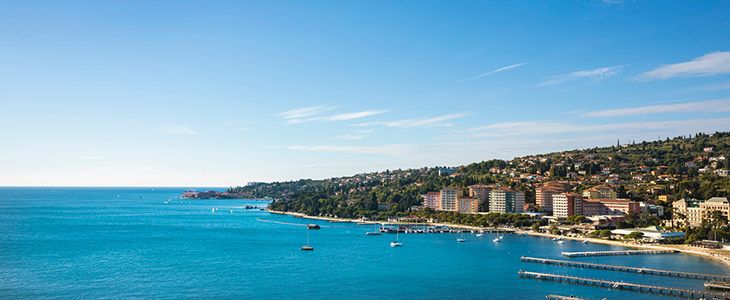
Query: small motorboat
x,y
312,226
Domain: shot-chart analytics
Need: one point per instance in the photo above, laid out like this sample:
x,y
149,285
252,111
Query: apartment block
x,y
567,204
506,200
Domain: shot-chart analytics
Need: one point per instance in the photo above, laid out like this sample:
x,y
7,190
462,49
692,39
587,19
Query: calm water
x,y
96,243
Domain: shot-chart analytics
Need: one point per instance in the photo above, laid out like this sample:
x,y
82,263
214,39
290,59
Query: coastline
x,y
721,255
715,254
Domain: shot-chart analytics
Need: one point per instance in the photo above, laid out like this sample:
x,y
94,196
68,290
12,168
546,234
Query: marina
x,y
647,271
614,253
625,286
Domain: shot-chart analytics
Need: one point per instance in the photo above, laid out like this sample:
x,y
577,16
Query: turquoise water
x,y
112,243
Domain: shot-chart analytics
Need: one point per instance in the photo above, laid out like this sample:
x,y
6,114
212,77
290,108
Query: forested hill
x,y
681,166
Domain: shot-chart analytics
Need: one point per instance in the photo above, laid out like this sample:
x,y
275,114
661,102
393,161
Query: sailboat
x,y
397,242
461,240
376,232
307,247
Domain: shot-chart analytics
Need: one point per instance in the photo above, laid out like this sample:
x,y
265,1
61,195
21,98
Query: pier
x,y
613,253
647,271
625,286
556,297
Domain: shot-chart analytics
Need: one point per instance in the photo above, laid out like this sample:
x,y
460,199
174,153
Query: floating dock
x,y
626,286
717,284
613,253
647,271
556,297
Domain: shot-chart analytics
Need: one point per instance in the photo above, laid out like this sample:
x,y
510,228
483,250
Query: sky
x,y
222,93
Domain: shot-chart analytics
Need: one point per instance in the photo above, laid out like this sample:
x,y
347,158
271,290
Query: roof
x,y
717,200
654,228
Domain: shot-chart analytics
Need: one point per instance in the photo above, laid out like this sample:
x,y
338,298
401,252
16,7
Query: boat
x,y
312,226
496,240
561,242
461,240
397,242
584,242
376,232
480,234
307,247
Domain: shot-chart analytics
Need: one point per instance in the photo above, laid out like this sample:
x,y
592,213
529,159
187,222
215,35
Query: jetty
x,y
557,297
717,284
625,286
647,271
613,253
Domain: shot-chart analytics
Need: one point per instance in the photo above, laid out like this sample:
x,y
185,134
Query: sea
x,y
145,243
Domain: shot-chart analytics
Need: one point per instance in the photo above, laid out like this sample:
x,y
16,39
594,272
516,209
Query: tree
x,y
636,235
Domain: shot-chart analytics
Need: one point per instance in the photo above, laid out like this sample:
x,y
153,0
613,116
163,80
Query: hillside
x,y
683,167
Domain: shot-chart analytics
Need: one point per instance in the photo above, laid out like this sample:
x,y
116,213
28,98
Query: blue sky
x,y
105,93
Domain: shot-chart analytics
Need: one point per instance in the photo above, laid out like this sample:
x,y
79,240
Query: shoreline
x,y
720,255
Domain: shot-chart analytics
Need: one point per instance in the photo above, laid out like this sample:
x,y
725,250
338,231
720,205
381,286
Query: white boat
x,y
307,247
561,242
376,232
480,234
397,242
496,240
584,242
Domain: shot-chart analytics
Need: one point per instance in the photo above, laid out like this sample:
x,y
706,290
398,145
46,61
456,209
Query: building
x,y
652,233
544,196
695,211
506,200
468,205
599,192
480,192
431,199
567,204
666,198
449,199
597,207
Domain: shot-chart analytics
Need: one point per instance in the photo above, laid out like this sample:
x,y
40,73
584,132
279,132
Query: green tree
x,y
636,235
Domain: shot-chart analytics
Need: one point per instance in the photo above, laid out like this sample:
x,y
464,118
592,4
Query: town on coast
x,y
660,194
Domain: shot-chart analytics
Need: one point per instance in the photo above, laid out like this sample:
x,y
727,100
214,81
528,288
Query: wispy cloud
x,y
365,130
297,116
179,129
494,71
350,116
304,112
724,86
594,74
430,122
707,65
538,128
710,106
349,137
243,128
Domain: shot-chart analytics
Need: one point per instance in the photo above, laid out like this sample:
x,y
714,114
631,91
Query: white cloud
x,y
707,65
349,137
304,112
541,128
295,116
365,131
350,116
595,74
494,71
243,128
179,129
710,106
430,122
724,86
